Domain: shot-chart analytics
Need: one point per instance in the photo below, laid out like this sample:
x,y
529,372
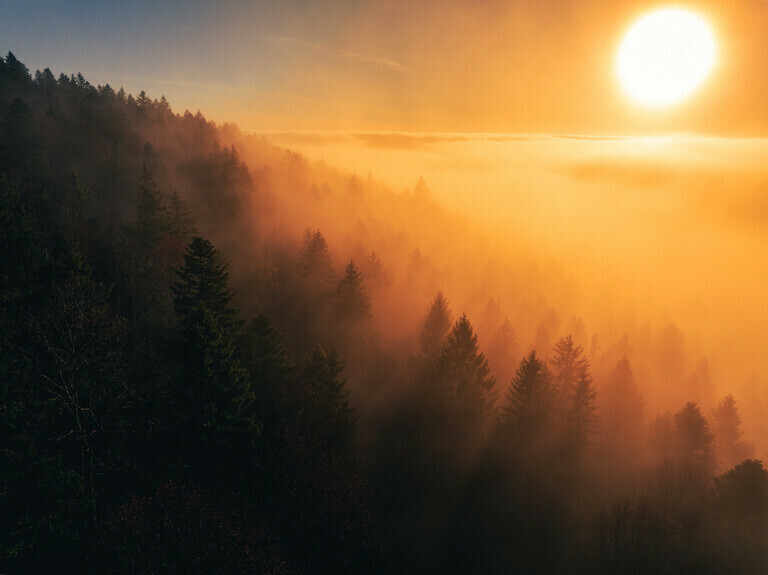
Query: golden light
x,y
665,56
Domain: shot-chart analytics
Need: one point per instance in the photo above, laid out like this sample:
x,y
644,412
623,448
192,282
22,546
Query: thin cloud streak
x,y
335,53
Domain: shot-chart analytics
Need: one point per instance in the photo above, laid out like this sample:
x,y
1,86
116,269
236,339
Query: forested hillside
x,y
216,357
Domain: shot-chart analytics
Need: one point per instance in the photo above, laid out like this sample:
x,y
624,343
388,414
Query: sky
x,y
500,66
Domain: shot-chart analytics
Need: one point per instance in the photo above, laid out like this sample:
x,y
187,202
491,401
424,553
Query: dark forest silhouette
x,y
195,379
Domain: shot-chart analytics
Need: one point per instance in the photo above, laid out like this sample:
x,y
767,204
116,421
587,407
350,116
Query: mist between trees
x,y
216,357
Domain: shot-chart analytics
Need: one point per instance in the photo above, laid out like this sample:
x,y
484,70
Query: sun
x,y
665,56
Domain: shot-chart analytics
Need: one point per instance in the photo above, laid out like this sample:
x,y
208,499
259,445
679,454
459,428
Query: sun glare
x,y
665,56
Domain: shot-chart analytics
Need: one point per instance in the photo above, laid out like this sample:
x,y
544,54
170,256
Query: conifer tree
x,y
583,421
352,301
216,397
143,259
203,279
694,443
434,328
151,215
182,224
375,272
332,419
568,366
263,355
316,261
215,389
726,421
622,414
462,372
15,70
528,401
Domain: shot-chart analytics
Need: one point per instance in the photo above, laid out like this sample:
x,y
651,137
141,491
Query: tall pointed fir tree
x,y
215,392
182,224
141,250
569,370
434,330
726,425
523,417
321,502
621,406
567,366
462,374
695,448
203,279
352,302
317,268
583,421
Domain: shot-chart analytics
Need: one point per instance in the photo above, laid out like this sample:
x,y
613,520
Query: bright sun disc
x,y
665,56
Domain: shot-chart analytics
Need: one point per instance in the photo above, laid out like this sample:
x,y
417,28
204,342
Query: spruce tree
x,y
622,413
181,223
263,355
528,401
143,260
568,366
216,397
726,421
694,443
203,279
434,328
583,421
352,301
462,373
316,262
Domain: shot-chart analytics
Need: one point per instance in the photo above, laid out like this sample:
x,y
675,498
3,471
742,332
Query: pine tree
x,y
263,355
316,262
568,366
583,421
182,224
144,261
375,273
151,215
203,279
727,431
434,328
528,401
694,443
215,389
621,406
332,420
462,372
15,70
215,392
352,301
321,499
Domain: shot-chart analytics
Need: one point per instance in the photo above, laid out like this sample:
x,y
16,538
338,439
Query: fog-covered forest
x,y
219,357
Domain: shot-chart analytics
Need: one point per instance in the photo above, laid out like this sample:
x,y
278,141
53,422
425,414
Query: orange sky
x,y
453,65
